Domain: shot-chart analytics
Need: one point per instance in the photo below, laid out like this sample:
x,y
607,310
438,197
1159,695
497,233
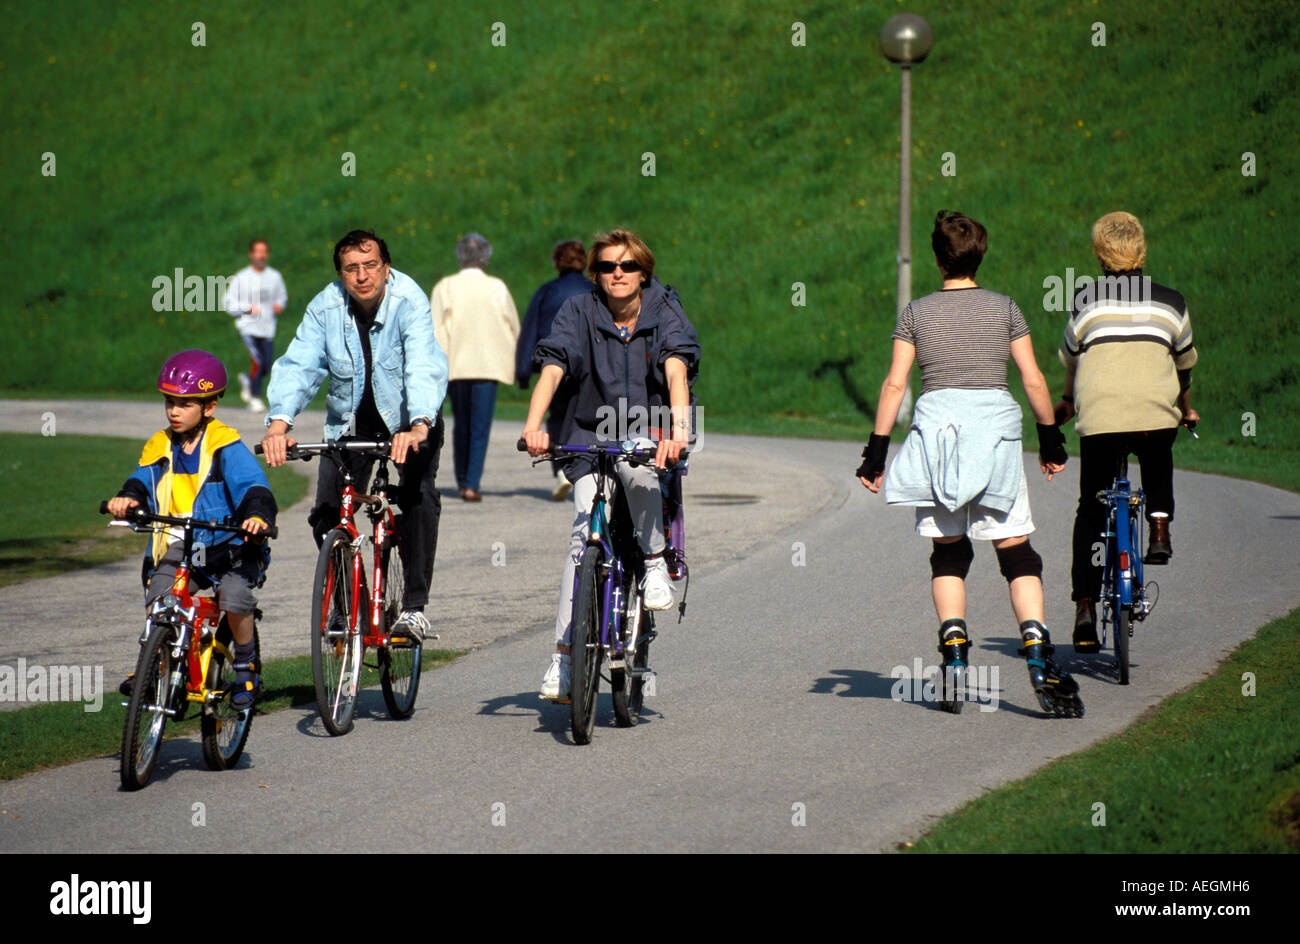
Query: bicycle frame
x,y
614,608
1123,569
613,615
196,619
1124,599
379,508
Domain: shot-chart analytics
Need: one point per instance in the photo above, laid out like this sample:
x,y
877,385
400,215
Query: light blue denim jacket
x,y
409,366
964,447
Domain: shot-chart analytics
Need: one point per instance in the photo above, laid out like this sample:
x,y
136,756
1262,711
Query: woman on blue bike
x,y
615,358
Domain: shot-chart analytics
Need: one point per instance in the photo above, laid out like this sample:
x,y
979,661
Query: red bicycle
x,y
346,618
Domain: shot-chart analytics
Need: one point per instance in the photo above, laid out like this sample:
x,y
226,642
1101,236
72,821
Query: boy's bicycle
x,y
186,655
1125,597
346,617
610,620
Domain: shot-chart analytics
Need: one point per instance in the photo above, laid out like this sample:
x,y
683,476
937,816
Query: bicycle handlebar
x,y
305,451
138,516
619,450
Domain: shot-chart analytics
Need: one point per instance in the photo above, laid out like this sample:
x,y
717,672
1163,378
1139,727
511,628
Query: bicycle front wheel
x,y
225,728
146,715
584,677
400,660
335,642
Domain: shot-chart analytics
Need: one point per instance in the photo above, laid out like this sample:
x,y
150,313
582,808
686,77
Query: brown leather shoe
x,y
1085,628
1160,548
470,495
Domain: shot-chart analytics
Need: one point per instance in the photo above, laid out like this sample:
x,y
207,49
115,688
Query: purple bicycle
x,y
610,621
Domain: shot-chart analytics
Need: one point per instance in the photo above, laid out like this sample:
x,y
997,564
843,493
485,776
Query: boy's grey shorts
x,y
237,582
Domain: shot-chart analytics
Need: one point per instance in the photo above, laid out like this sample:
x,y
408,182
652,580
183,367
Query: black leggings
x,y
1099,459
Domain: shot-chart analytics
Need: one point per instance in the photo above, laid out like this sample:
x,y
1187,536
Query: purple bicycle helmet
x,y
196,374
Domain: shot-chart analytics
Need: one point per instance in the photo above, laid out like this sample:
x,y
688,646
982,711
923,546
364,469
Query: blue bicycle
x,y
610,621
1125,597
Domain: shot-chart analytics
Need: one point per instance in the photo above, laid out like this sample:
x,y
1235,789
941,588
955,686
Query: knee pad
x,y
1020,560
952,559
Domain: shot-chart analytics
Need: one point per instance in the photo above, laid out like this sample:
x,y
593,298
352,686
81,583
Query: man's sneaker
x,y
555,684
657,588
245,389
562,487
414,623
257,405
1160,548
1086,642
128,685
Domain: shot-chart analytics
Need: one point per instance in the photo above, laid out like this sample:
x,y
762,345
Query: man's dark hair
x,y
959,244
355,240
254,242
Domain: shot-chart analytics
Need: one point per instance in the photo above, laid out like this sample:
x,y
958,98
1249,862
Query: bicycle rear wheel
x,y
629,684
584,679
400,660
335,643
1123,623
225,728
145,713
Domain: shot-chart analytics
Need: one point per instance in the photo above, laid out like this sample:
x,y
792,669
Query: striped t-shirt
x,y
962,337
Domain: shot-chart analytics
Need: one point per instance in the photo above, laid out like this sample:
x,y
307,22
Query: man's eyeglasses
x,y
356,267
627,265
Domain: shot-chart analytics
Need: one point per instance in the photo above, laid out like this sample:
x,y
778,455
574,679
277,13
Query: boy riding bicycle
x,y
198,467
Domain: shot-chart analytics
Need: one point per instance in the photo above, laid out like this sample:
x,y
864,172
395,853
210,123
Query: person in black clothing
x,y
570,258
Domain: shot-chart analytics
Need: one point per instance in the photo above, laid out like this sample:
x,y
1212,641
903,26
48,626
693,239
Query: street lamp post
x,y
905,39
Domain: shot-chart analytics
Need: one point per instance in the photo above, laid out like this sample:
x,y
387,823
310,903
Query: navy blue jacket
x,y
600,370
541,313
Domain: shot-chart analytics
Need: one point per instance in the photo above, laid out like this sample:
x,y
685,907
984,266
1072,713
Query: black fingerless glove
x,y
1051,445
873,457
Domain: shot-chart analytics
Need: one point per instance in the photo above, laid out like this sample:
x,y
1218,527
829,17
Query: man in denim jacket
x,y
371,334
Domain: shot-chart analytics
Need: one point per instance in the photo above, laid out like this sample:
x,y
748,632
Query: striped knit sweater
x,y
1126,339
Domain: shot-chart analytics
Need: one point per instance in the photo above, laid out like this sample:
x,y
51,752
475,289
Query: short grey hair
x,y
473,250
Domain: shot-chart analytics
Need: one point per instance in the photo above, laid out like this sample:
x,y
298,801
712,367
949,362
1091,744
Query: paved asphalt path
x,y
773,703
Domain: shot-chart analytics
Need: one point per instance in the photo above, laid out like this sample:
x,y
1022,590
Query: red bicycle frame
x,y
385,525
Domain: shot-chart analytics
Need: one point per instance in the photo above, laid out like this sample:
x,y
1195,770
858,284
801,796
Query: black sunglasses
x,y
627,265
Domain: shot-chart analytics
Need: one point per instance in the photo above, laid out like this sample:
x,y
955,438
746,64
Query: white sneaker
x,y
245,389
555,684
257,405
657,588
414,623
562,488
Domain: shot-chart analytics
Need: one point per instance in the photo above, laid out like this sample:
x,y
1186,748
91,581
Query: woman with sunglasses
x,y
617,359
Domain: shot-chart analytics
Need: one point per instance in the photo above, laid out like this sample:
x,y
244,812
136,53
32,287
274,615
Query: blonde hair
x,y
1118,242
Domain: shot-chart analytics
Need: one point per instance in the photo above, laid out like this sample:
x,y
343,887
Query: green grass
x,y
774,164
1209,770
59,527
49,735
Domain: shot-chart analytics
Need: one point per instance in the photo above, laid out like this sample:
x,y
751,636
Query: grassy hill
x,y
774,164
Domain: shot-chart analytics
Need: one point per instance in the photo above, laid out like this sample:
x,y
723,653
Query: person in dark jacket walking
x,y
623,352
569,258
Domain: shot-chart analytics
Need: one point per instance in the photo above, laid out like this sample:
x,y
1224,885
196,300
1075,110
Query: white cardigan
x,y
477,325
